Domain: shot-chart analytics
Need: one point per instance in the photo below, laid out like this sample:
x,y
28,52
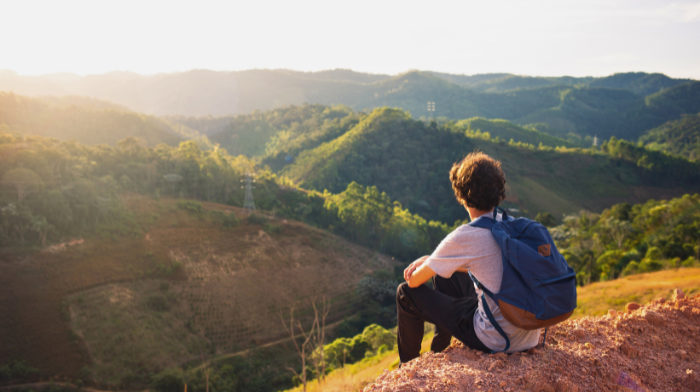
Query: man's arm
x,y
420,276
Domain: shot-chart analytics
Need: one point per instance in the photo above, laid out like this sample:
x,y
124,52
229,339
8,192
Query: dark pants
x,y
450,306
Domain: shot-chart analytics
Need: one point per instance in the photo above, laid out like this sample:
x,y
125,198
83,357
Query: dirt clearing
x,y
646,348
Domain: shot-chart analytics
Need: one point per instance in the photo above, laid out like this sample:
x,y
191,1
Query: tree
x,y
41,227
619,230
546,219
607,263
319,359
301,349
23,181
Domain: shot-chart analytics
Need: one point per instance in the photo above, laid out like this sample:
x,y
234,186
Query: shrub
x,y
546,219
192,207
5,373
272,229
230,220
169,380
257,219
17,370
158,302
689,262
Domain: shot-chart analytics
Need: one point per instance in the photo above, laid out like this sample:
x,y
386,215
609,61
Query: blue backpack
x,y
538,289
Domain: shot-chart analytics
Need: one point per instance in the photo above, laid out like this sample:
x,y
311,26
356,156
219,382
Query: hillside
x,y
274,134
609,106
593,300
87,120
680,137
182,288
652,347
410,161
506,130
278,136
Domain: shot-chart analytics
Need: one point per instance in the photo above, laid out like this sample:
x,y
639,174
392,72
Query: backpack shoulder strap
x,y
487,309
487,222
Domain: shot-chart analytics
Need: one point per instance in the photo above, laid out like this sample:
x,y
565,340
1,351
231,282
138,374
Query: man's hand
x,y
408,272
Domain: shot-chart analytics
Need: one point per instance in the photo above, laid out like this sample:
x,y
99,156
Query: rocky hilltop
x,y
654,347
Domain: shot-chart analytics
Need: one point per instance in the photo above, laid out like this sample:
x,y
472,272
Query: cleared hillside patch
x,y
182,288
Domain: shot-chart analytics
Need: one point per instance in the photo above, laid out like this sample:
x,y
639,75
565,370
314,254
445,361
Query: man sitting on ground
x,y
452,305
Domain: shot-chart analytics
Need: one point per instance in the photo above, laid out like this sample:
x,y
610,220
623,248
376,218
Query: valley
x,y
128,262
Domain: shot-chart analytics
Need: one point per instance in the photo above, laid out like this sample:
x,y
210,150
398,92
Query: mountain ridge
x,y
521,99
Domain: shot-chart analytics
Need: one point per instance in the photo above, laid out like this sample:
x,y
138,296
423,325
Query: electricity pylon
x,y
248,203
431,109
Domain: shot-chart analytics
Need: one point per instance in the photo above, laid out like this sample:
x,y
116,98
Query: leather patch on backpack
x,y
544,250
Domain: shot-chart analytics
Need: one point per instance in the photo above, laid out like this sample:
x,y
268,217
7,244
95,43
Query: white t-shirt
x,y
475,249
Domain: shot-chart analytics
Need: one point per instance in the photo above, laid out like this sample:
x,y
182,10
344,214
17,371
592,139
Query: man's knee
x,y
403,293
402,290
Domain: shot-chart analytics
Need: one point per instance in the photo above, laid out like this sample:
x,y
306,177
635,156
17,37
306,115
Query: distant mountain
x,y
681,137
87,120
638,82
610,106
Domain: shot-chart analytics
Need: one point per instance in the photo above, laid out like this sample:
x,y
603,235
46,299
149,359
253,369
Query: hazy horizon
x,y
66,73
542,38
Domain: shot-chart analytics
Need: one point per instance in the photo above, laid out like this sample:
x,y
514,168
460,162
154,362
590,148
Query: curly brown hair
x,y
478,181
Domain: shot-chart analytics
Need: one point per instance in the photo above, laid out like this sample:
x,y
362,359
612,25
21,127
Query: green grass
x,y
356,376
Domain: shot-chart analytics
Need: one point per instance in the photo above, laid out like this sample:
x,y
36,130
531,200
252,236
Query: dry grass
x,y
597,298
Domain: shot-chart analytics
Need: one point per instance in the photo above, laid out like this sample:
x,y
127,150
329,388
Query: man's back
x,y
474,249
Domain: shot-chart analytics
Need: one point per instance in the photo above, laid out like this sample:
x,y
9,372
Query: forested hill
x,y
280,134
87,120
610,106
410,161
680,137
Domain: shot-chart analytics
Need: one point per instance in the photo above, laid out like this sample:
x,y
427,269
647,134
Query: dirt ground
x,y
654,347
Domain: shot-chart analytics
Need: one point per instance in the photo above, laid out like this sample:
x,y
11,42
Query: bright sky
x,y
533,37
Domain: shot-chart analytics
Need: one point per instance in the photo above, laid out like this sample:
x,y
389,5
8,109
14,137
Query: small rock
x,y
589,346
632,306
543,385
562,385
496,365
681,354
579,333
612,312
532,351
628,350
653,318
502,384
678,294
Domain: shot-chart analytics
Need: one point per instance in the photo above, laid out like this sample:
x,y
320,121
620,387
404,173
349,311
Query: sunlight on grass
x,y
593,300
597,298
